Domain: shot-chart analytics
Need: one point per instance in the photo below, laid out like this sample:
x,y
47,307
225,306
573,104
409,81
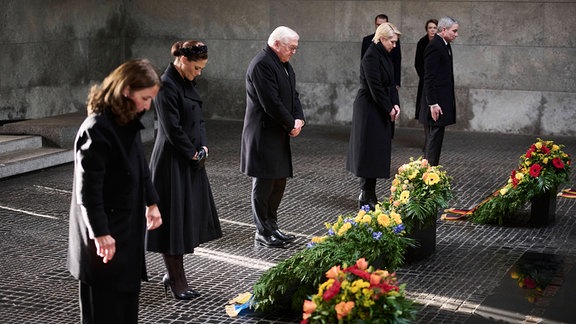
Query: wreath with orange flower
x,y
357,294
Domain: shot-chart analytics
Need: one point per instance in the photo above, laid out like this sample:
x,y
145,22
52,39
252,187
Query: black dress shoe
x,y
283,236
269,241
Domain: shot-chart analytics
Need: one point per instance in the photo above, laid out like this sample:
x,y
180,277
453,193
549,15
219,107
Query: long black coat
x,y
419,66
272,106
369,149
189,215
438,83
110,191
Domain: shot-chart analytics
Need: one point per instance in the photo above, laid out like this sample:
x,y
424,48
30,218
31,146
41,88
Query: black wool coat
x,y
189,215
438,83
111,189
419,66
272,106
369,148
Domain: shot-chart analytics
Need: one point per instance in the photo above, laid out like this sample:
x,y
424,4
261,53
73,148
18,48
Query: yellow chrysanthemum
x,y
545,160
361,214
318,239
519,175
503,191
396,217
384,220
366,219
344,228
413,175
555,147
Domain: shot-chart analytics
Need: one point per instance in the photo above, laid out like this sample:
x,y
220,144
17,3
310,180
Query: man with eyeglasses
x,y
273,115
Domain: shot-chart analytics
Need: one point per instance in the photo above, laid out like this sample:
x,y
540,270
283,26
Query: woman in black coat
x,y
177,164
111,189
376,107
431,29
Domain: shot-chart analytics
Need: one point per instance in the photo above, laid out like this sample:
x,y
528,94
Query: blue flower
x,y
351,221
366,208
377,235
331,232
310,245
398,228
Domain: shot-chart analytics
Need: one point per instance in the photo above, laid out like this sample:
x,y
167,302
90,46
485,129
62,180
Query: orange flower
x,y
343,308
362,264
333,272
375,279
309,307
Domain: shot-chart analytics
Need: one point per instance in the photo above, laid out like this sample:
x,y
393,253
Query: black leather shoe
x,y
283,236
269,241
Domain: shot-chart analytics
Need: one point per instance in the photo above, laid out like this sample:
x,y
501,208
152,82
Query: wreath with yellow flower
x,y
417,192
358,294
541,169
376,235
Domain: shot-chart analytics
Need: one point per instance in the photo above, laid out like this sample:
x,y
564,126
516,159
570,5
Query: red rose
x,y
535,170
529,283
545,149
557,162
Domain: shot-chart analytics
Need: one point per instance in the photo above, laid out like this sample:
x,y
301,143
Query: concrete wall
x,y
515,61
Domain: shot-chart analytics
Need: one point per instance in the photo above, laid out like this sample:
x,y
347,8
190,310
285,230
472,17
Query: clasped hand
x,y
298,124
395,113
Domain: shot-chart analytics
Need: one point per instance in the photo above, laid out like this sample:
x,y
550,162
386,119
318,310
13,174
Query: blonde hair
x,y
386,30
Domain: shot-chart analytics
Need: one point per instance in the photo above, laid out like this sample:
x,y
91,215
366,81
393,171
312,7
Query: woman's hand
x,y
153,217
395,113
105,247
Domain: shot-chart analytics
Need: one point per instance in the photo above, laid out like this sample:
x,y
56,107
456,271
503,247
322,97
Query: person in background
x,y
376,107
438,108
396,52
273,115
431,28
113,199
177,164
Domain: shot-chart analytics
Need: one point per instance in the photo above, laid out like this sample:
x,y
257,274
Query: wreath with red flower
x,y
543,168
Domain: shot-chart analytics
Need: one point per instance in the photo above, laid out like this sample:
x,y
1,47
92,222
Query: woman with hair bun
x,y
177,164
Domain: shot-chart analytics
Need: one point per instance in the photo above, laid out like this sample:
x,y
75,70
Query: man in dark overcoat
x,y
273,115
438,107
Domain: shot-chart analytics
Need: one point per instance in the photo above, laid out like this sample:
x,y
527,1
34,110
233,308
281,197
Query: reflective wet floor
x,y
467,278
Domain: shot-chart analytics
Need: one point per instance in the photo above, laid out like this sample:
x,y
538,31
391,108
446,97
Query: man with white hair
x,y
273,115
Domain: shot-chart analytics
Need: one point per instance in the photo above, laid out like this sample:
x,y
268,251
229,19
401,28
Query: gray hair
x,y
282,34
445,23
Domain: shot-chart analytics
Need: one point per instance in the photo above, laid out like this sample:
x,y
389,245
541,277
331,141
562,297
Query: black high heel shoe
x,y
185,295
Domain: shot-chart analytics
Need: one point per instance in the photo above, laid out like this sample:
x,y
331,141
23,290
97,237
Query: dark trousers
x,y
105,306
266,197
434,144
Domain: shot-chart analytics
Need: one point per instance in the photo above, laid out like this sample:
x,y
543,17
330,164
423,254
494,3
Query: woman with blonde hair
x,y
376,107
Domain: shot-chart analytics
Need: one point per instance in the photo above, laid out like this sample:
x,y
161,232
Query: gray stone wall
x,y
515,61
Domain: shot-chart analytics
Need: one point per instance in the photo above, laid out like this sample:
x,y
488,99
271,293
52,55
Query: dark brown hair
x,y
135,74
193,50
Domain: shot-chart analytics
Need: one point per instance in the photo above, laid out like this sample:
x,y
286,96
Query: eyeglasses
x,y
292,48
